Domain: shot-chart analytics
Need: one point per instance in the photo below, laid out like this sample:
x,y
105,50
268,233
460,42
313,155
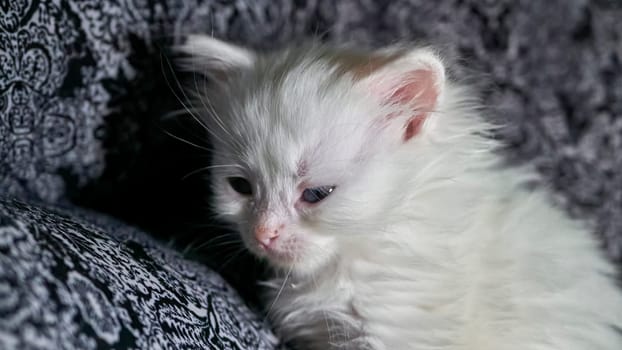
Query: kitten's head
x,y
306,141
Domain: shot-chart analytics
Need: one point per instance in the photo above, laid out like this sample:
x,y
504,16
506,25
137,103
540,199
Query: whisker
x,y
231,259
213,112
201,95
278,294
216,239
176,113
185,141
168,83
211,224
209,167
181,89
324,314
195,245
223,244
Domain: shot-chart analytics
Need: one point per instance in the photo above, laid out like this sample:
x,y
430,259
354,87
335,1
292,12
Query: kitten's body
x,y
505,278
426,242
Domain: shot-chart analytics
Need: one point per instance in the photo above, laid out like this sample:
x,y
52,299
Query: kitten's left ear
x,y
414,81
213,58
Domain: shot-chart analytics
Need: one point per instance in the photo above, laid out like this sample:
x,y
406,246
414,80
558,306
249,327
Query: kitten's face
x,y
289,170
300,155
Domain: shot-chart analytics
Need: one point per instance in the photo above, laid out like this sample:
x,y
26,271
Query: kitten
x,y
368,181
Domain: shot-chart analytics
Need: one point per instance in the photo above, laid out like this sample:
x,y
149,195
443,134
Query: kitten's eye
x,y
316,194
240,185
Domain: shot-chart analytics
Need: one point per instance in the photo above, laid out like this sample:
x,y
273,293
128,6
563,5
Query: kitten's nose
x,y
267,235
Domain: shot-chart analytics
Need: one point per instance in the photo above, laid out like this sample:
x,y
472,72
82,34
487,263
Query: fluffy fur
x,y
427,242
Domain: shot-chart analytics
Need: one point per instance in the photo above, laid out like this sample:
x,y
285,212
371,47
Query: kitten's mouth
x,y
282,255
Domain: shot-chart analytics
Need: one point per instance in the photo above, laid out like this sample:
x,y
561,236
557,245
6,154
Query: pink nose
x,y
266,235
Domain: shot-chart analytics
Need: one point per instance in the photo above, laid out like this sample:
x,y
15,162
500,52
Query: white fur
x,y
424,244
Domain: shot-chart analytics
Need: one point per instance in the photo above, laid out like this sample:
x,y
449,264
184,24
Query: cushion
x,y
84,86
76,280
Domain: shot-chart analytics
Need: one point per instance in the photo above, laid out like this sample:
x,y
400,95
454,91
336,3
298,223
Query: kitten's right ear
x,y
213,58
414,80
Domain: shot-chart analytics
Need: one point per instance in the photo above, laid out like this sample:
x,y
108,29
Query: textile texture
x,y
78,281
85,88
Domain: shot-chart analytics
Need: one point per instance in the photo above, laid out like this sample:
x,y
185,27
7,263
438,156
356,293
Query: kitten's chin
x,y
303,266
303,261
280,260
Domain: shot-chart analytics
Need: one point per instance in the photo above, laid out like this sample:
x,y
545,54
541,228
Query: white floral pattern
x,y
65,283
82,80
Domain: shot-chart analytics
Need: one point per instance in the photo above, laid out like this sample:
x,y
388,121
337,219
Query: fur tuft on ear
x,y
415,82
212,57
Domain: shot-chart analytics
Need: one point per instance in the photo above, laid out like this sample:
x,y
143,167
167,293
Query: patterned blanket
x,y
83,88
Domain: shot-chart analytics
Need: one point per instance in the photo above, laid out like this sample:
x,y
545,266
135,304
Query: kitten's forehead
x,y
299,112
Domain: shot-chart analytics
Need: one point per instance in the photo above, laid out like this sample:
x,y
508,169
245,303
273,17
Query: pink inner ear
x,y
417,88
413,126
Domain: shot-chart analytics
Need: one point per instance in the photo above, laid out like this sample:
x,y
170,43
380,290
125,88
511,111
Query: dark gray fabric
x,y
83,87
66,283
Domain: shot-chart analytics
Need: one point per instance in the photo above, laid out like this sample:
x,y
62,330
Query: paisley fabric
x,y
68,284
84,85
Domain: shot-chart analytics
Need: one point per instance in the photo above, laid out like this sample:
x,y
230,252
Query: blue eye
x,y
316,194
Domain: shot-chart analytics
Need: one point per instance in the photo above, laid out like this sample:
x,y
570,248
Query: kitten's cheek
x,y
229,208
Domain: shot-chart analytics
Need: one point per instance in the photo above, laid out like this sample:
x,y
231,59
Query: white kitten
x,y
367,180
